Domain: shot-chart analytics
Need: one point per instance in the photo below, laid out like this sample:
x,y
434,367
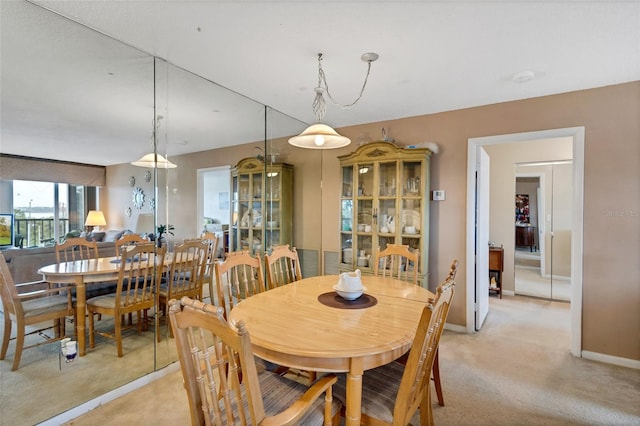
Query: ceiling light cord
x,y
319,105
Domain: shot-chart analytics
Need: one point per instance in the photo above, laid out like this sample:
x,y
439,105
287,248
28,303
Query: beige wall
x,y
611,275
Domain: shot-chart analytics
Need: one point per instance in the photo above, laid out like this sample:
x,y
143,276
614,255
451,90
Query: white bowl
x,y
349,295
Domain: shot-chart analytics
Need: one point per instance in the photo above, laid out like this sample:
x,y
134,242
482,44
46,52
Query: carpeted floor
x,y
516,371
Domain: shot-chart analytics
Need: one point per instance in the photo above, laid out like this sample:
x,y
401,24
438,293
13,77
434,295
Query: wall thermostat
x,y
437,195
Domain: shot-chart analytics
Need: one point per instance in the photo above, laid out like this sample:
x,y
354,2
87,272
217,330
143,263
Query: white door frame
x,y
577,134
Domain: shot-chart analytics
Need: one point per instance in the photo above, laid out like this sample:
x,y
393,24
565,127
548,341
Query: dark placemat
x,y
135,259
333,300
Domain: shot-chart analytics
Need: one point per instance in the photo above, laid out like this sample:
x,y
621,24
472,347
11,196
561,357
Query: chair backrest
x,y
128,240
214,242
238,277
397,261
453,270
139,276
416,378
76,248
188,265
11,305
214,358
283,266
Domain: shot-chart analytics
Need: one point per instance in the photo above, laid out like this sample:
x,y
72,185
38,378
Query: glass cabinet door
x,y
347,182
365,180
364,231
411,172
387,179
271,213
346,217
346,233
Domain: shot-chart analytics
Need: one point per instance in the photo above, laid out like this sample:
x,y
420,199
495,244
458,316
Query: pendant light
x,y
322,136
153,159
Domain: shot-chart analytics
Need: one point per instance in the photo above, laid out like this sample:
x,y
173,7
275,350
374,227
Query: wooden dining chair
x,y
127,241
76,248
397,261
209,274
185,275
392,393
283,266
237,277
138,279
436,363
30,308
212,355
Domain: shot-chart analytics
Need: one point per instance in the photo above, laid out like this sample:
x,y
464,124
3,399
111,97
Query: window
x,y
45,211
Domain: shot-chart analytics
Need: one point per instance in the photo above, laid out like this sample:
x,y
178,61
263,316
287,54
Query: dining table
x,y
81,274
306,325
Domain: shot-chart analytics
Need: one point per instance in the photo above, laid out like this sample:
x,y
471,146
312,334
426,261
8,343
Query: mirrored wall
x,y
147,92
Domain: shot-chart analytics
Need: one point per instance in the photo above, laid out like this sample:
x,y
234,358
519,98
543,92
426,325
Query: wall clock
x,y
138,198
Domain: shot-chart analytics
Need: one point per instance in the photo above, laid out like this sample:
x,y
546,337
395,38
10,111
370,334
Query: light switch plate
x,y
438,195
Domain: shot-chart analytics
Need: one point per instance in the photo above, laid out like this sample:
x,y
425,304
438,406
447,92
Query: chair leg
x,y
19,346
7,335
118,333
426,411
92,339
436,379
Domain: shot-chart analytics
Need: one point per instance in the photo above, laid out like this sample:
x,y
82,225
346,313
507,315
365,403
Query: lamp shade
x,y
319,136
149,161
145,224
95,218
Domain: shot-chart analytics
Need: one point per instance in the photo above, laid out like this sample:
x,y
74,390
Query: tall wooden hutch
x,y
262,210
384,199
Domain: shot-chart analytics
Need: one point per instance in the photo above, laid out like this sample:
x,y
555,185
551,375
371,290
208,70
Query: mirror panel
x,y
150,92
107,72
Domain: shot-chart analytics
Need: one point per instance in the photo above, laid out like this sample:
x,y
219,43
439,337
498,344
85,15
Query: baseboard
x,y
508,293
455,327
110,396
609,359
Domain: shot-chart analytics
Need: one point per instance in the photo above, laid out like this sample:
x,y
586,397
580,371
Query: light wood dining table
x,y
289,326
83,273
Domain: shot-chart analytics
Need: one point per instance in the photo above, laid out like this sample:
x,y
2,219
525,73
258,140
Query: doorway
x,y
475,246
214,212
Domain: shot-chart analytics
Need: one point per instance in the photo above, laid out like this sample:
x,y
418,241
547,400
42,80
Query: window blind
x,y
13,167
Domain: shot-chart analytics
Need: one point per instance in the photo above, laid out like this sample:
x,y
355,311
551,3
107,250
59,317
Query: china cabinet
x,y
384,200
262,211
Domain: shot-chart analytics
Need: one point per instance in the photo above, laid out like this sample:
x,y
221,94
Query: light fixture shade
x,y
148,161
319,136
95,218
145,224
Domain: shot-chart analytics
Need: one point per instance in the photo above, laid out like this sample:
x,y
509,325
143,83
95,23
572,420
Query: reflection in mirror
x,y
186,109
105,71
306,180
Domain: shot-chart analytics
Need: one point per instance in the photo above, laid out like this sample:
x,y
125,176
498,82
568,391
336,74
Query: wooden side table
x,y
496,266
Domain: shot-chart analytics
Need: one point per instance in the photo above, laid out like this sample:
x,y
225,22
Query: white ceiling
x,y
434,56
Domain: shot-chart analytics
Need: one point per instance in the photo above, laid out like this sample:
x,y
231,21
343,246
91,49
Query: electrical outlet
x,y
438,195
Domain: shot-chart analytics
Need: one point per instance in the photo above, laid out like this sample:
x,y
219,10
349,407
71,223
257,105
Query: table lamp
x,y
94,218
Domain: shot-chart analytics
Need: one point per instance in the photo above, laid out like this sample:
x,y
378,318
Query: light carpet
x,y
516,371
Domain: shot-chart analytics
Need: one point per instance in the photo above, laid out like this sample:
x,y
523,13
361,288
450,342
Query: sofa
x,y
24,263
